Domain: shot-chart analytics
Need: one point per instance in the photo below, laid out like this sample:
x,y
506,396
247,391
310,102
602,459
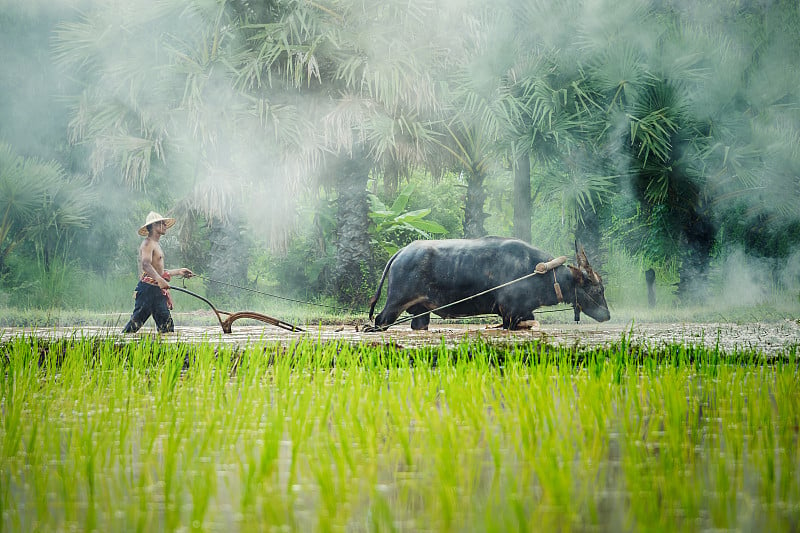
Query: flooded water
x,y
778,337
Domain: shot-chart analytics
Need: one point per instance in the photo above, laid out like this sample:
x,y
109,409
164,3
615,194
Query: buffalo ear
x,y
577,274
580,256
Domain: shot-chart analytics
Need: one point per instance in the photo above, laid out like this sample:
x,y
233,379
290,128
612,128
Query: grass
x,y
100,434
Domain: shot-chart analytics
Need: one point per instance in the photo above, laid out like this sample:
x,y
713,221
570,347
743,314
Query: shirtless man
x,y
152,293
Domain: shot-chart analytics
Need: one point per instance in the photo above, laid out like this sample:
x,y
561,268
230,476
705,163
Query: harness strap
x,y
541,268
557,288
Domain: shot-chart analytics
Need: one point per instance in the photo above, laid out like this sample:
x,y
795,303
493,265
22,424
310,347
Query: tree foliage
x,y
394,226
666,126
40,206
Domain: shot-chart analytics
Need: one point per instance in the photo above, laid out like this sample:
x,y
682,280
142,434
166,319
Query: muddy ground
x,y
778,337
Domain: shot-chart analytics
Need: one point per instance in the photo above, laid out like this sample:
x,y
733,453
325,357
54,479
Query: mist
x,y
155,100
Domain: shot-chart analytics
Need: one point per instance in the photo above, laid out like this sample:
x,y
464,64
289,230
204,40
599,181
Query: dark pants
x,y
150,301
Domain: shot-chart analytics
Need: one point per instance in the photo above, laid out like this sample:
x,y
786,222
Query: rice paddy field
x,y
444,431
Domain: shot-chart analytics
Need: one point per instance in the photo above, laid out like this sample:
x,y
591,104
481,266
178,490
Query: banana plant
x,y
394,226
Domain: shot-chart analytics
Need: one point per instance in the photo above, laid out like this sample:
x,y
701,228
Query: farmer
x,y
152,293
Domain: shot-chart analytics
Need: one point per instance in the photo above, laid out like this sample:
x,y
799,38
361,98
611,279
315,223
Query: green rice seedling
x,y
147,434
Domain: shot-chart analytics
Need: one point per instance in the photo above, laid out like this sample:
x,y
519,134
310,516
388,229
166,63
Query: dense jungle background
x,y
300,143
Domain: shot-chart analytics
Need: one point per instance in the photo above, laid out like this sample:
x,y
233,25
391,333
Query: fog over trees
x,y
300,142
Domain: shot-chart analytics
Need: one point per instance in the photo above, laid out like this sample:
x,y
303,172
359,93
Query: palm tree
x,y
39,204
175,106
561,128
684,113
382,121
755,158
553,118
358,101
479,105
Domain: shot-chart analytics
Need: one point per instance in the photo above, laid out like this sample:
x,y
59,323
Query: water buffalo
x,y
426,275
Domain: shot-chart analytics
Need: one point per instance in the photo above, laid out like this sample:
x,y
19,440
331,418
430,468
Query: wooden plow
x,y
227,322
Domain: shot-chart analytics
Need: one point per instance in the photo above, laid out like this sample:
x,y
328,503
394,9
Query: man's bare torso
x,y
150,252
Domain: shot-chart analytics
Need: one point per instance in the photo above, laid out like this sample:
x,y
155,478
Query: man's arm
x,y
185,272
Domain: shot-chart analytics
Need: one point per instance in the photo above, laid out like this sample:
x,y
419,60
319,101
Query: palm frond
x,y
621,74
577,190
23,182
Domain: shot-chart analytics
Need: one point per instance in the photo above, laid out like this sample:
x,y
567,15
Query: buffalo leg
x,y
514,321
419,322
388,315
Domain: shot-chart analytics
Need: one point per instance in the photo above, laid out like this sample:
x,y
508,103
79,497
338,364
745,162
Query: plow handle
x,y
231,317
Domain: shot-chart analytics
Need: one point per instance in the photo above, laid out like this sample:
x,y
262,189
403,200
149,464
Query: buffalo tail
x,y
377,295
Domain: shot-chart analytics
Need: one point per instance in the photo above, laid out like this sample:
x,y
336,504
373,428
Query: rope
x,y
272,295
399,320
406,319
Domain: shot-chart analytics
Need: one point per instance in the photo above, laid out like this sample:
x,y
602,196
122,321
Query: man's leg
x,y
162,315
141,312
132,326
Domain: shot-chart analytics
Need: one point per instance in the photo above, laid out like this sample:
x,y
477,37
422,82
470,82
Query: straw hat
x,y
152,218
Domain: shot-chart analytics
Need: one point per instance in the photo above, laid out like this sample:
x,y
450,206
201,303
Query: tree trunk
x,y
587,233
352,274
228,258
522,197
693,271
473,207
650,278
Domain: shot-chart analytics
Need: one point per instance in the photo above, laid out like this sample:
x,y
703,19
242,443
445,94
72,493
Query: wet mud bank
x,y
776,338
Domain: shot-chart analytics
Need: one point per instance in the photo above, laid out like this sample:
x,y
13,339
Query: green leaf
x,y
402,199
429,226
